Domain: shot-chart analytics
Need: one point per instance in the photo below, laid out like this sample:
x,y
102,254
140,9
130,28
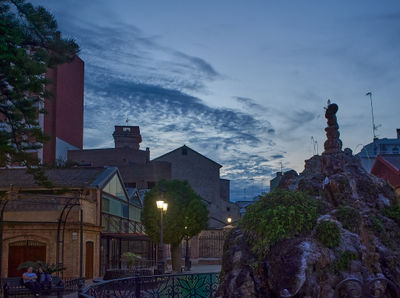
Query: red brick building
x,y
63,122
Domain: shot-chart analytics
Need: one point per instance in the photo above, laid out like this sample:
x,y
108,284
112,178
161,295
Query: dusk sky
x,y
242,82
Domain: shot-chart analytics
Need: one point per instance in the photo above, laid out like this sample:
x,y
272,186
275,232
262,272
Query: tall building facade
x,y
63,121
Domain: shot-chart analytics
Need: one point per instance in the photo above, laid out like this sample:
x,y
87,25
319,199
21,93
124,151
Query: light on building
x,y
229,220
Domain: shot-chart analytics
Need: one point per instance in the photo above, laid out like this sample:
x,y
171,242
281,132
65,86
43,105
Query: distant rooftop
x,y
71,177
393,160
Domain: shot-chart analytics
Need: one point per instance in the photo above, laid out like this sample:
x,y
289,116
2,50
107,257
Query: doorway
x,y
89,260
23,251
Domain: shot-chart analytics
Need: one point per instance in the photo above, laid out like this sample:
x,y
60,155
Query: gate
x,y
211,243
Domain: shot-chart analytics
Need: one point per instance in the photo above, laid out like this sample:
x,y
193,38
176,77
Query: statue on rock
x,y
333,144
332,230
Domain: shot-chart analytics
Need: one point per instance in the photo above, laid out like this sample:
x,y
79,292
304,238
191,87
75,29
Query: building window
x,y
395,150
228,209
184,151
106,205
125,211
126,129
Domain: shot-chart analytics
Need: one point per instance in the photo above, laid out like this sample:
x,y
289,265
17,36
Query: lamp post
x,y
161,262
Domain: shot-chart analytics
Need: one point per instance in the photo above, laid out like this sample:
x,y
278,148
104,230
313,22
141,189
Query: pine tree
x,y
30,43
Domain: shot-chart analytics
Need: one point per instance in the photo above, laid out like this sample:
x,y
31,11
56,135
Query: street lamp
x,y
229,220
161,263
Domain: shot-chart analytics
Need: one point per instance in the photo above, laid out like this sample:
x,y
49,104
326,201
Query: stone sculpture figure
x,y
365,260
333,144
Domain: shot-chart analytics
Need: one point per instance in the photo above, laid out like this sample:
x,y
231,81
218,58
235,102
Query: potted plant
x,y
47,268
130,258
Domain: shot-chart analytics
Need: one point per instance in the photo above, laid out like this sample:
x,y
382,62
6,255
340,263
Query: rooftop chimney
x,y
398,133
127,137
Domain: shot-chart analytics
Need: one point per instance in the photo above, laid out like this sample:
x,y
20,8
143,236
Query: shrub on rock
x,y
276,216
328,234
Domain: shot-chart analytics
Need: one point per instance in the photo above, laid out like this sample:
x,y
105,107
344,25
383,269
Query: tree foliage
x,y
186,216
185,209
30,43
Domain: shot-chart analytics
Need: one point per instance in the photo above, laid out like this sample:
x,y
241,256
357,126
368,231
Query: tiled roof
x,y
71,177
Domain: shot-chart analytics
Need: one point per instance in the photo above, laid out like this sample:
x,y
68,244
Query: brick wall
x,y
110,157
37,221
64,117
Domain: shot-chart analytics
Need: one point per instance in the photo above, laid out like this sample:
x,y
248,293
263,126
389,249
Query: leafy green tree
x,y
186,216
30,43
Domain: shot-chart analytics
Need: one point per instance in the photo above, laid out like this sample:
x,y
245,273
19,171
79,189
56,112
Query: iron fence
x,y
211,245
200,285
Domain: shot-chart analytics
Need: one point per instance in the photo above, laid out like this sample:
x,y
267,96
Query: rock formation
x,y
333,144
363,207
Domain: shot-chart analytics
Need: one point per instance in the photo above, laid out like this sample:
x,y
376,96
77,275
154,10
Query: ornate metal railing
x,y
170,285
374,288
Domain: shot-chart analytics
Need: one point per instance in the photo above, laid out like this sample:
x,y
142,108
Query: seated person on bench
x,y
30,281
44,279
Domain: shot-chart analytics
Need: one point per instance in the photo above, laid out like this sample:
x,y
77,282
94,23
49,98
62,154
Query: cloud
x,y
249,103
131,75
393,16
199,64
169,118
135,55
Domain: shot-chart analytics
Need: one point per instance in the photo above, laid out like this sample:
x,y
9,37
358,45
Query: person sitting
x,y
44,279
30,281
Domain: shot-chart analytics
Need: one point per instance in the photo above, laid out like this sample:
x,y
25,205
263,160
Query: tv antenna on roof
x,y
372,113
126,121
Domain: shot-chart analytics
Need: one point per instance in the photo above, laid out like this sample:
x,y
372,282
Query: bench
x,y
14,286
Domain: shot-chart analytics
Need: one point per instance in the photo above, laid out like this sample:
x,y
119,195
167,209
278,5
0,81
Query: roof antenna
x,y
372,113
126,121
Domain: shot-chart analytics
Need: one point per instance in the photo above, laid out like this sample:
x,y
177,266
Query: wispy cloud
x,y
169,118
132,75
